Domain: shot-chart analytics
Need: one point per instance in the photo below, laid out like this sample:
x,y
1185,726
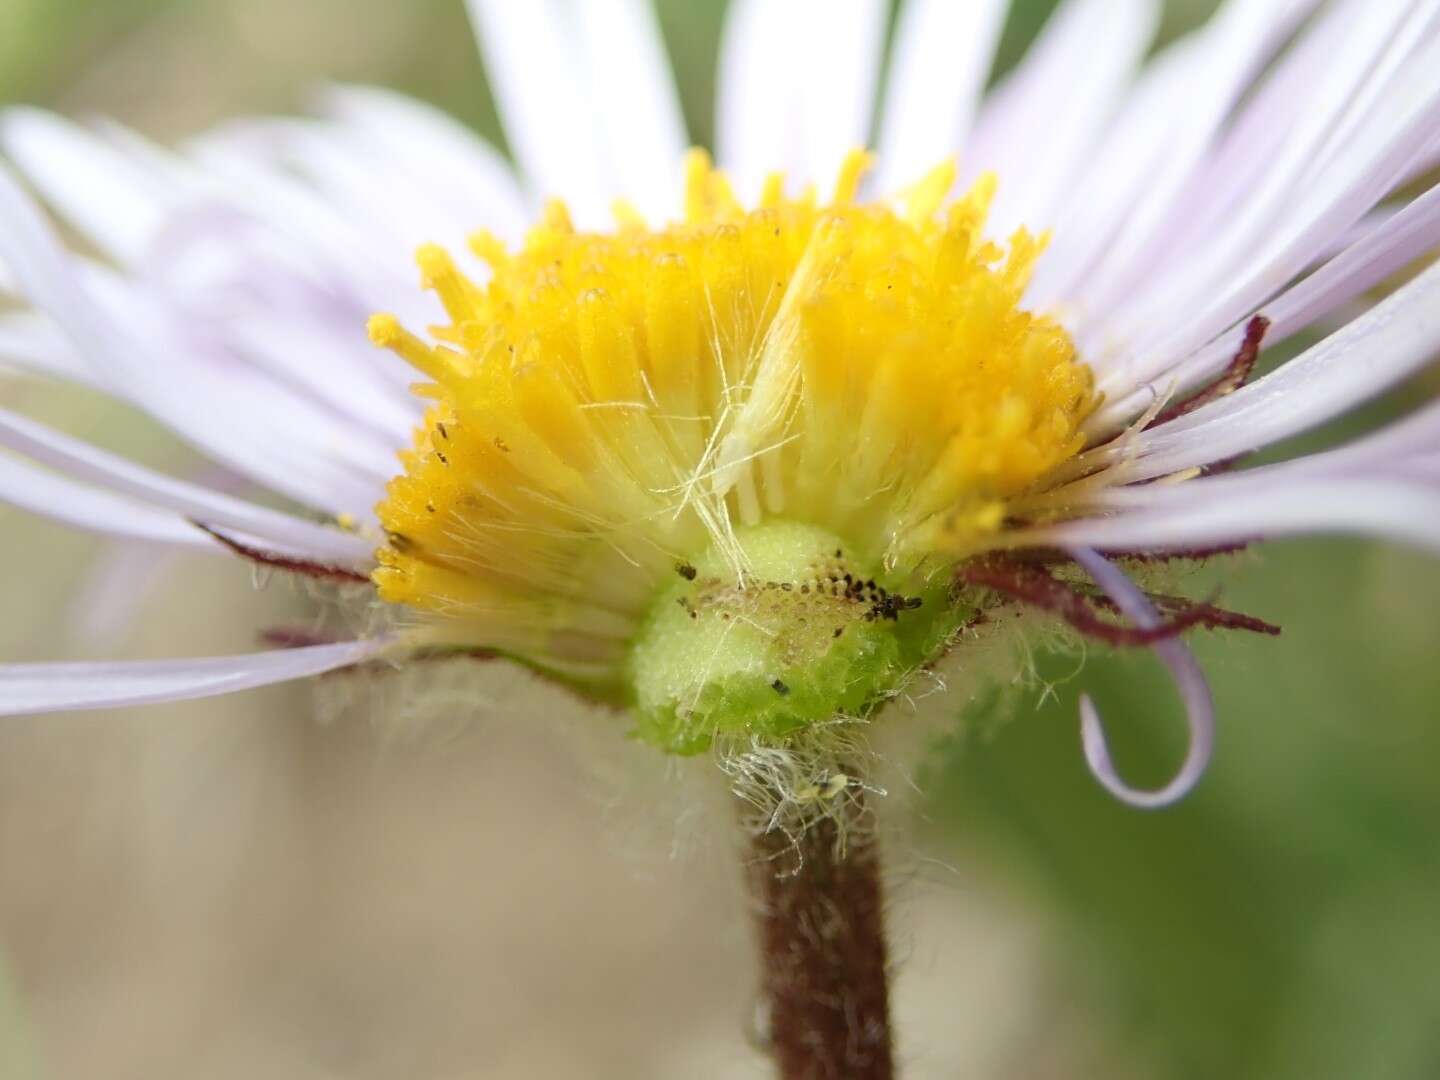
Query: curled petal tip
x,y
1189,680
1097,756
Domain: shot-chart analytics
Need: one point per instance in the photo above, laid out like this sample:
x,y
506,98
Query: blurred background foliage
x,y
1283,922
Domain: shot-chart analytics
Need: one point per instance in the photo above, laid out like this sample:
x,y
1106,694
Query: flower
x,y
705,444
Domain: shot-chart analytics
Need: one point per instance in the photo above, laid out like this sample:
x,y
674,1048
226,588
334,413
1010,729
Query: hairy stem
x,y
822,948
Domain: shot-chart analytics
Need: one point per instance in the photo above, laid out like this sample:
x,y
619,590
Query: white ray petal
x,y
257,433
797,87
255,250
90,464
27,689
759,123
1044,120
85,180
1378,454
1393,340
938,67
368,185
636,98
552,127
1108,189
80,506
259,426
1396,444
843,43
31,343
1403,237
1426,163
1372,223
1284,224
1198,514
1199,80
1282,101
469,176
333,372
246,171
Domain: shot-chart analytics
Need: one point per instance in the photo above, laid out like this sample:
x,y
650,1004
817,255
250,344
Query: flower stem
x,y
822,947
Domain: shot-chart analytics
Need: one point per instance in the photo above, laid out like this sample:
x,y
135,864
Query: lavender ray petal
x,y
1189,680
27,689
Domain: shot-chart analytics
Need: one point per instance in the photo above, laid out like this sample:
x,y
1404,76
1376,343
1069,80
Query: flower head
x,y
710,446
814,409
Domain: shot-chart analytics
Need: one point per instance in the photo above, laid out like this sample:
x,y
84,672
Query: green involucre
x,y
810,634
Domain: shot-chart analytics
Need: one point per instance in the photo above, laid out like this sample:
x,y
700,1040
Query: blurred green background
x,y
227,889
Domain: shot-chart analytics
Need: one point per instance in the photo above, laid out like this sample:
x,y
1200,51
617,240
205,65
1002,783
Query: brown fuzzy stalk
x,y
822,949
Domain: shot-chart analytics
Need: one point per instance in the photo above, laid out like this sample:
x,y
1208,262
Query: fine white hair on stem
x,y
1189,679
790,787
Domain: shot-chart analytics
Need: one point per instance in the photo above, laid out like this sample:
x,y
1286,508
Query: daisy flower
x,y
734,450
729,448
744,446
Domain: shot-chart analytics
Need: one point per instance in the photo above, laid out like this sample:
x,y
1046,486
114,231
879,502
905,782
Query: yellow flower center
x,y
608,407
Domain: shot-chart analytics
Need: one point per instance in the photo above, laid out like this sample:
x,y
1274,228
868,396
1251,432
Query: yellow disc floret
x,y
608,405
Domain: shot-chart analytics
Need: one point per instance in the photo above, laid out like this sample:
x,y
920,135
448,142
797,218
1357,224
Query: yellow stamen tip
x,y
627,215
384,330
433,261
773,191
697,169
557,216
697,178
489,247
442,365
924,199
857,164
